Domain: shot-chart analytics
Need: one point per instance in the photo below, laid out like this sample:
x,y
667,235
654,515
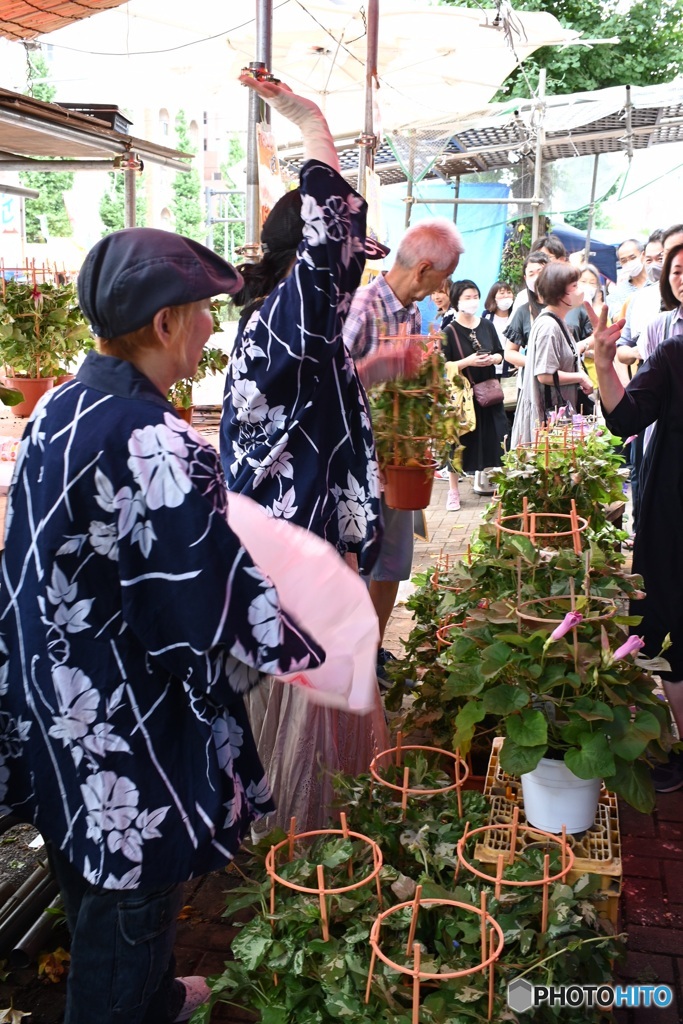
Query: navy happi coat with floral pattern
x,y
132,621
295,430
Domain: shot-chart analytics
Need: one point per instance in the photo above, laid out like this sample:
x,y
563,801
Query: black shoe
x,y
667,778
383,656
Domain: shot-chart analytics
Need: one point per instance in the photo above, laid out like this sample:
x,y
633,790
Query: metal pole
x,y
591,210
409,185
129,183
538,167
368,141
456,199
256,114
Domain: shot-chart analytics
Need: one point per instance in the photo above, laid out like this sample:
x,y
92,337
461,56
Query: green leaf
x,y
465,722
632,781
593,760
516,760
528,729
494,658
464,681
251,947
10,396
504,699
636,736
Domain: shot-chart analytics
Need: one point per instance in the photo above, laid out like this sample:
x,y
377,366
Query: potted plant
x,y
559,673
585,467
282,969
213,360
415,423
40,326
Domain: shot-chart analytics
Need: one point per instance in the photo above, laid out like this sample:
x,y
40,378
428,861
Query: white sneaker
x,y
453,502
197,992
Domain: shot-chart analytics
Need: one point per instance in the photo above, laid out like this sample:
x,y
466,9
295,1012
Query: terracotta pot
x,y
185,414
408,487
33,389
63,378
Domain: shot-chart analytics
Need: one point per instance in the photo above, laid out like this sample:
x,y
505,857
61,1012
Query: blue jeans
x,y
122,965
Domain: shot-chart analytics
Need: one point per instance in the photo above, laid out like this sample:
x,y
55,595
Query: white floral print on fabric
x,y
158,461
291,351
124,612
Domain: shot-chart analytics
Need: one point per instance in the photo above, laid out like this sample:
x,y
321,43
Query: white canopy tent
x,y
432,62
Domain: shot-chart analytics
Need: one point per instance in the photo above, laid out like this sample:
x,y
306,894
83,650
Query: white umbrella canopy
x,y
432,61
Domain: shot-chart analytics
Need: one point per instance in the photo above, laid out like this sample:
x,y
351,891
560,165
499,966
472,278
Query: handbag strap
x,y
453,331
556,377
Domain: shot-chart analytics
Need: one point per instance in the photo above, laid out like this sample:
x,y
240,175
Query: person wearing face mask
x,y
645,304
518,331
472,347
497,308
632,275
590,284
554,375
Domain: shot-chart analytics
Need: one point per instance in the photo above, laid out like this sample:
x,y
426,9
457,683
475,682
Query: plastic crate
x,y
596,852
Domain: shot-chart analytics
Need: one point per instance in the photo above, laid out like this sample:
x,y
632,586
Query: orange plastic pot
x,y
408,487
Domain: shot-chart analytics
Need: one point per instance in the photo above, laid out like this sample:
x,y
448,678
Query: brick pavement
x,y
651,907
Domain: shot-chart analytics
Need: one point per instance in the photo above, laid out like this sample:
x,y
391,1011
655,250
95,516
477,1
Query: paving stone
x,y
647,939
647,968
670,806
641,867
636,824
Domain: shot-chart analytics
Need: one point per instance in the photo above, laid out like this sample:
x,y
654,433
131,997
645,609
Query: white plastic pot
x,y
554,796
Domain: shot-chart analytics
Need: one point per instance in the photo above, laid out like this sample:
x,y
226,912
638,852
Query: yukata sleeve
x,y
309,307
191,593
646,397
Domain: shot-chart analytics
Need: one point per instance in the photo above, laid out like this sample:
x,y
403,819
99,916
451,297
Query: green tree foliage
x,y
46,215
112,203
650,50
186,204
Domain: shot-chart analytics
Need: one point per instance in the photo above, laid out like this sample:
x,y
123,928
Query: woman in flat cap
x,y
132,624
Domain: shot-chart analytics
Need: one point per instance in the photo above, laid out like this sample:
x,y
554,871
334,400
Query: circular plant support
x,y
492,942
532,526
566,604
321,890
521,837
405,789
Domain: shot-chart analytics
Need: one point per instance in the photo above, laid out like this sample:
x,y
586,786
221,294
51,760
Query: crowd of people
x,y
146,725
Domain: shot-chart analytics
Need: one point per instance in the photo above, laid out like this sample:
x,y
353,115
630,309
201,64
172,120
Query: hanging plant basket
x,y
409,487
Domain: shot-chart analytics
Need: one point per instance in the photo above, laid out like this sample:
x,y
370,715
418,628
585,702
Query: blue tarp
x,y
603,255
482,228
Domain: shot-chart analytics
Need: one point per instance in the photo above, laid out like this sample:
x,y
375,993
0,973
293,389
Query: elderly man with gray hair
x,y
428,253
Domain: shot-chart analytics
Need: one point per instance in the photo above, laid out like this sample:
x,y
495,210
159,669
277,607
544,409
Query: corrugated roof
x,y
21,20
31,128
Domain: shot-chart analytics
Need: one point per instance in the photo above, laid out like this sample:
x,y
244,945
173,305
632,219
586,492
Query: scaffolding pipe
x,y
22,910
591,211
538,166
26,950
258,112
368,141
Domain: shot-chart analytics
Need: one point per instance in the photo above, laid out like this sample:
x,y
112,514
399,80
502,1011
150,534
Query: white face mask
x,y
469,306
654,272
531,284
588,291
503,303
634,268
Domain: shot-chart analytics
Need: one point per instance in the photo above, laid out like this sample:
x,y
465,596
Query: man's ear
x,y
163,323
422,268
